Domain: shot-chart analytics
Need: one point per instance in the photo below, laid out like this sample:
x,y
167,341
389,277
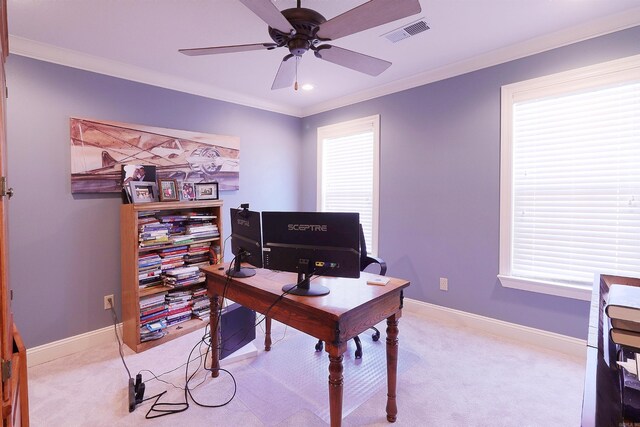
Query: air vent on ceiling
x,y
407,31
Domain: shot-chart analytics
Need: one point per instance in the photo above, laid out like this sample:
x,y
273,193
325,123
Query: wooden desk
x,y
349,309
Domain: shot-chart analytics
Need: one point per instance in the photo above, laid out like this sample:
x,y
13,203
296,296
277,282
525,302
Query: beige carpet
x,y
448,376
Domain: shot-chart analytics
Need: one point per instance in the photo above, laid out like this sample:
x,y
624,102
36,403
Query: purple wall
x,y
65,250
439,185
440,188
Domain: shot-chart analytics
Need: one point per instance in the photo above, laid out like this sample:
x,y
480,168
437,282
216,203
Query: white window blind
x,y
348,175
576,185
575,181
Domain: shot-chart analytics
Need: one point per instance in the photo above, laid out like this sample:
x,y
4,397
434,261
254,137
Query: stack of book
x,y
623,309
200,303
172,257
153,234
183,276
179,307
153,312
149,270
201,229
198,254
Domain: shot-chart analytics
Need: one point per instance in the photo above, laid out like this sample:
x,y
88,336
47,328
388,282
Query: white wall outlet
x,y
444,284
107,306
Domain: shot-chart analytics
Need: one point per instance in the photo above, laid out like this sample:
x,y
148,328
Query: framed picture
x,y
168,190
132,172
206,190
143,191
188,191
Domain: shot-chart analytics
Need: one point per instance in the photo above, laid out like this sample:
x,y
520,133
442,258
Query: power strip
x,y
136,392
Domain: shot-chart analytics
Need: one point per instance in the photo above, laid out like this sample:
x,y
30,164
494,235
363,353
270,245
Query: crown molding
x,y
599,27
44,52
70,58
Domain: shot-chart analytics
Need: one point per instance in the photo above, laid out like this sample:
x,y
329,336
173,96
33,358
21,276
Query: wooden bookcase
x,y
130,251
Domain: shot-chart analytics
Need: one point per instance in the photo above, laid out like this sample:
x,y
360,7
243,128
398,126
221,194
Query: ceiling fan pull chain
x,y
295,86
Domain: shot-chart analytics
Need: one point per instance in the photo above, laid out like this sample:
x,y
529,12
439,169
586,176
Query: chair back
x,y
366,260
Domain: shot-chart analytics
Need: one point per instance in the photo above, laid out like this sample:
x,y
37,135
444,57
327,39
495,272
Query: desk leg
x,y
392,366
214,327
267,334
336,382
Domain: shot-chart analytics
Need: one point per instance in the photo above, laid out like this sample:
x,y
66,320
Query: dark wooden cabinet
x,y
602,404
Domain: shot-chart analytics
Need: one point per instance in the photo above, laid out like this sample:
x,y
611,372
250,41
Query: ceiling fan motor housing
x,y
306,23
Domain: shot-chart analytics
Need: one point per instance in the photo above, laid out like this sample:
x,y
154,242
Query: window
x,y
570,179
348,163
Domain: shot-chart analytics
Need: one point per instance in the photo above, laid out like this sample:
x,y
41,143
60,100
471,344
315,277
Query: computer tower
x,y
237,328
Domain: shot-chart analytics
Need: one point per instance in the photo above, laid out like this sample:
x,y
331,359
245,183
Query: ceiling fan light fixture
x,y
300,30
307,87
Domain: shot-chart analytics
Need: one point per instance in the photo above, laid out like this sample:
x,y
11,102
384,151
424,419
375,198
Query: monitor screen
x,y
246,243
312,243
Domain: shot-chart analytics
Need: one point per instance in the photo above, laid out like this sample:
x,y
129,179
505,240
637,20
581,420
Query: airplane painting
x,y
99,149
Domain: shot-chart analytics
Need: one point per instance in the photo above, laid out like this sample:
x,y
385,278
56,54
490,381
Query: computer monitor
x,y
311,243
246,243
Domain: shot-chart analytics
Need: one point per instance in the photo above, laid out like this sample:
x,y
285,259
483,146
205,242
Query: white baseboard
x,y
570,346
64,347
549,340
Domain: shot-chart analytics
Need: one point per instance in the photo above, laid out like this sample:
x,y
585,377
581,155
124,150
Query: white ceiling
x,y
139,40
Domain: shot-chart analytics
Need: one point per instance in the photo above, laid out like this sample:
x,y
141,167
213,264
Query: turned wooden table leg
x,y
392,367
267,334
336,382
214,327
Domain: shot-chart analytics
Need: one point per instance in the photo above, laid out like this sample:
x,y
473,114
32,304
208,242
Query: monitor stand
x,y
240,272
304,288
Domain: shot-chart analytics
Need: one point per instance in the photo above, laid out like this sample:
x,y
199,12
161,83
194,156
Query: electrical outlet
x,y
107,306
444,284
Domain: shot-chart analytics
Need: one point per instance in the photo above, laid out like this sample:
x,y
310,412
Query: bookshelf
x,y
131,218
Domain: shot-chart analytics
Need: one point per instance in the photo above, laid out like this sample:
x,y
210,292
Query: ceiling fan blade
x,y
367,15
286,73
269,13
354,60
226,49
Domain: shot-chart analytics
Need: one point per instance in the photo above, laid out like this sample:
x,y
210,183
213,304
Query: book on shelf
x,y
153,317
146,335
626,325
623,303
625,338
152,299
153,309
182,271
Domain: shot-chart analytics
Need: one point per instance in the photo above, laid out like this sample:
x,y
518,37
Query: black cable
x,y
115,328
160,409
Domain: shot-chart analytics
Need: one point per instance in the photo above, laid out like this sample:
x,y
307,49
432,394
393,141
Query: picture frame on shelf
x,y
135,172
206,190
143,191
168,190
188,190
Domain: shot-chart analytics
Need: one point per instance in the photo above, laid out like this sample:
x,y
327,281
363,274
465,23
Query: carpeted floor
x,y
448,376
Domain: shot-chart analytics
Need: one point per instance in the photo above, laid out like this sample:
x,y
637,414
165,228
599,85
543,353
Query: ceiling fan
x,y
300,29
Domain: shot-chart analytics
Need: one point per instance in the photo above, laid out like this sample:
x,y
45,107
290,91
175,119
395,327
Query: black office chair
x,y
365,261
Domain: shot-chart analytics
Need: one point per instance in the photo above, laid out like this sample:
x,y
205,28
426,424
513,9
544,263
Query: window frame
x,y
624,69
343,129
